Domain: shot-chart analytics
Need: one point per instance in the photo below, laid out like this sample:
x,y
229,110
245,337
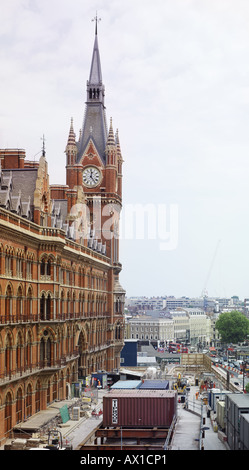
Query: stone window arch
x,y
48,392
8,302
46,351
43,267
8,354
42,306
19,350
19,303
49,313
38,396
19,405
118,331
8,414
29,303
28,352
62,303
29,401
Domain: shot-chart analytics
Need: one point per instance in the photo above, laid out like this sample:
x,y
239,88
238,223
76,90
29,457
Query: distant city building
x,y
145,303
149,328
181,325
208,304
199,325
128,355
192,325
246,307
172,302
189,325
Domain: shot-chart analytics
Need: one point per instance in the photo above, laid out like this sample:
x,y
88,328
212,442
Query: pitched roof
x,y
17,188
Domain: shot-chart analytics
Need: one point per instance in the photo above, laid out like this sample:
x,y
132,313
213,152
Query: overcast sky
x,y
176,74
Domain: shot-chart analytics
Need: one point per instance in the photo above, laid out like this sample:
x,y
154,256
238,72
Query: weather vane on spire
x,y
97,20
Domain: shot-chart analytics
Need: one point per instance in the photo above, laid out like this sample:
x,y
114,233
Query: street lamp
x,y
244,364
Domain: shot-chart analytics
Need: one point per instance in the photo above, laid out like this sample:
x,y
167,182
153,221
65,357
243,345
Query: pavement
x,y
188,435
77,431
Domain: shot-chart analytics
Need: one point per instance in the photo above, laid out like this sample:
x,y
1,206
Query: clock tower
x,y
95,161
94,167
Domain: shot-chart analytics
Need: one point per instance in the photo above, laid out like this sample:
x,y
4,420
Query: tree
x,y
233,327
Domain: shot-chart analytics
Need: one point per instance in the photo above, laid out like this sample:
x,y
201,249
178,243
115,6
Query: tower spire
x,y
94,118
95,77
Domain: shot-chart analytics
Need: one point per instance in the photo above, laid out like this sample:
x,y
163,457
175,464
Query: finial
x,y
71,136
97,20
43,146
111,138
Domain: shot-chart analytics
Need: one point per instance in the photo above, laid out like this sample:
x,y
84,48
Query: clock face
x,y
91,176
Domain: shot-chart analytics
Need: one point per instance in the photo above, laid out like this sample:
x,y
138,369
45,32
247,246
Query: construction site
x,y
152,411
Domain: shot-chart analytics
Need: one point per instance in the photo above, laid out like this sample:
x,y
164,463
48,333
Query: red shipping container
x,y
139,408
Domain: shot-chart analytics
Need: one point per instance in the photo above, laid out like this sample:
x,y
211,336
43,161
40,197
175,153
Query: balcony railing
x,y
15,319
44,365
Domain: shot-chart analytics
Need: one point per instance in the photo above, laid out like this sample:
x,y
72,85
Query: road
x,y
236,377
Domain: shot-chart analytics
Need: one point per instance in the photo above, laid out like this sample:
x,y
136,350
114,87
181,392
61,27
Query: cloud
x,y
176,75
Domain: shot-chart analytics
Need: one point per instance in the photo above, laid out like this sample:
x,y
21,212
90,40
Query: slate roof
x,y
17,188
59,213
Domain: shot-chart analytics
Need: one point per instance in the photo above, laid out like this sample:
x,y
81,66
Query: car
x,y
237,384
238,364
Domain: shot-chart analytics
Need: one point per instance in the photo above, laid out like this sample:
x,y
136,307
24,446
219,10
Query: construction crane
x,y
204,291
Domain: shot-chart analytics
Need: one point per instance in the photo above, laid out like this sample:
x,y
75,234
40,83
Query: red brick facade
x,y
61,304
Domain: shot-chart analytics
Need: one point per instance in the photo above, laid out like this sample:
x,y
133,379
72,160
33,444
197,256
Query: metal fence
x,y
194,405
